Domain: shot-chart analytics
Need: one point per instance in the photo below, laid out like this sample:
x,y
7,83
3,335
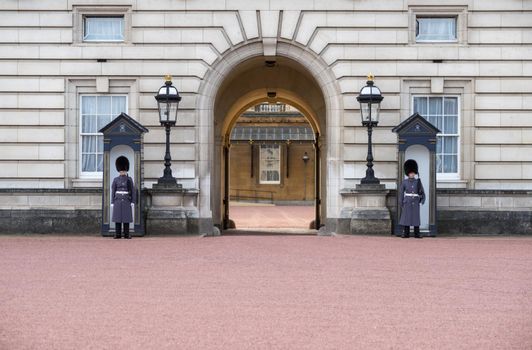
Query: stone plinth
x,y
364,211
172,211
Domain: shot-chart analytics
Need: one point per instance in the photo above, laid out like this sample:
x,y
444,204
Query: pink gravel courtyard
x,y
265,292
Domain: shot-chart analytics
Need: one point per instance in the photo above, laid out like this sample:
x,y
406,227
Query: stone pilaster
x,y
172,211
365,211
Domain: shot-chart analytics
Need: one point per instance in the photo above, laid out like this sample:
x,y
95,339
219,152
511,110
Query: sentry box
x,y
417,141
122,137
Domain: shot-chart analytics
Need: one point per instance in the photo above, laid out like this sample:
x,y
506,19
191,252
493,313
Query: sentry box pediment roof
x,y
416,125
123,125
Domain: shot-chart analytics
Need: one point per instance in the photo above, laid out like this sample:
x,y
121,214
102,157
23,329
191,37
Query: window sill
x,y
443,42
102,43
121,41
450,183
87,183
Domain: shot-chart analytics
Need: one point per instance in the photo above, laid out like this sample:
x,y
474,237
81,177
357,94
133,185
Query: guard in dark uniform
x,y
411,196
122,198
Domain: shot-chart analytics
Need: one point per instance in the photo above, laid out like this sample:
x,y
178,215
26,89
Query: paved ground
x,y
265,292
271,216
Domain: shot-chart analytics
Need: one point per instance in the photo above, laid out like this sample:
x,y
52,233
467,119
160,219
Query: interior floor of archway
x,y
271,216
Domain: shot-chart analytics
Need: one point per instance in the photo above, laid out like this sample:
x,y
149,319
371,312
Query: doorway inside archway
x,y
272,169
259,84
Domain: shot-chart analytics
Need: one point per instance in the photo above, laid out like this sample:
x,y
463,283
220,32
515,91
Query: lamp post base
x,y
364,211
371,186
167,183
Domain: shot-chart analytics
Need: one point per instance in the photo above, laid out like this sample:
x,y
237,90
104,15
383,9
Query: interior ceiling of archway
x,y
253,75
272,122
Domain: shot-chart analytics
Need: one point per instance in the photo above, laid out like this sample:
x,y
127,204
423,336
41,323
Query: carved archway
x,y
214,120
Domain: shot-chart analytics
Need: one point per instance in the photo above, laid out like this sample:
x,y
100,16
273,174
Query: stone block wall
x,y
52,211
480,212
45,67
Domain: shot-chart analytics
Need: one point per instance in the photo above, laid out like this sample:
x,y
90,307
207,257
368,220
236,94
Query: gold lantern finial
x,y
167,77
371,77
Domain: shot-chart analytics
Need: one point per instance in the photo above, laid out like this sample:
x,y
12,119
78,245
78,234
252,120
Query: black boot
x,y
406,232
118,230
416,232
126,230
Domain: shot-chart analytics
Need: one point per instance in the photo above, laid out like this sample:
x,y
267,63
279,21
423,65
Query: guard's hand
x,y
112,205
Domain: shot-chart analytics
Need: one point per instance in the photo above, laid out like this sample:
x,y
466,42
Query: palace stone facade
x,y
216,51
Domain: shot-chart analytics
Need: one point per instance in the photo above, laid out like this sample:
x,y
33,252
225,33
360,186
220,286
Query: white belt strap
x,y
122,192
412,194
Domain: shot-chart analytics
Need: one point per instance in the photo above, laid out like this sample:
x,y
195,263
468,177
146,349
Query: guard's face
x,y
123,173
411,175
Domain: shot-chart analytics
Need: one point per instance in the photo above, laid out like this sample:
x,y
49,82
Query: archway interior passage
x,y
272,168
256,83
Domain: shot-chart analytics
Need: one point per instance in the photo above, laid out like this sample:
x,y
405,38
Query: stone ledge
x,y
185,191
50,190
172,221
487,222
365,221
449,191
50,221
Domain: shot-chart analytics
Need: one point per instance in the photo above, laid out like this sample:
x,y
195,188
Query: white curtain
x,y
104,28
96,112
435,29
442,112
88,126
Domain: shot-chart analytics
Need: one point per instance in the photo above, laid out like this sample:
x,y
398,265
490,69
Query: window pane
x,y
88,124
451,125
450,164
88,104
420,105
439,167
451,105
119,105
104,29
439,142
443,114
101,109
88,144
436,29
434,120
104,105
99,144
435,106
99,161
103,120
88,162
450,144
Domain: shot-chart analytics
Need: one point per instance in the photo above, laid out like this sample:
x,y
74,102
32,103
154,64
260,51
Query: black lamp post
x,y
305,161
167,102
370,101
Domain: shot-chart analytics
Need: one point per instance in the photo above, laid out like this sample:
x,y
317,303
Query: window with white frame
x,y
96,111
436,29
103,28
443,112
270,164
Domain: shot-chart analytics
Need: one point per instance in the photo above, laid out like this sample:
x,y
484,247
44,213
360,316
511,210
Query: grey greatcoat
x,y
410,204
122,201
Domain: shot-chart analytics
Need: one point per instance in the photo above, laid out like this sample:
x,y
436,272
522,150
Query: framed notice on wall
x,y
270,164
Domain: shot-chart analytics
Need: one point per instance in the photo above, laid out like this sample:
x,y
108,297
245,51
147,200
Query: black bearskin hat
x,y
122,164
410,166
